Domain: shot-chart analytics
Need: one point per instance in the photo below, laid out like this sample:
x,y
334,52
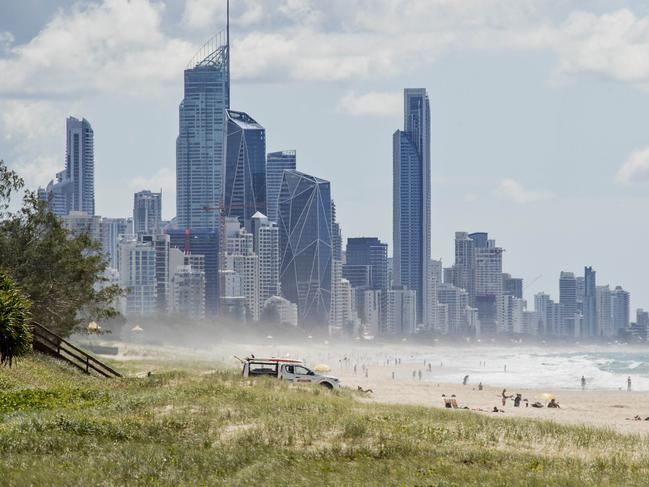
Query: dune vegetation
x,y
200,424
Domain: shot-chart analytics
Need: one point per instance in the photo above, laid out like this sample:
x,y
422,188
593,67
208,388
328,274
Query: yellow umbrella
x,y
545,396
322,368
93,326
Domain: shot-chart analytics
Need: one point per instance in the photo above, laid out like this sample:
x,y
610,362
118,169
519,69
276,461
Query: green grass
x,y
196,424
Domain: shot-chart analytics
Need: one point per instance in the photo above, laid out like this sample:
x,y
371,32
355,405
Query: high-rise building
x,y
456,301
163,274
411,199
306,254
199,146
266,246
604,312
79,222
205,243
620,309
147,213
512,316
568,301
276,164
590,304
74,188
138,276
80,165
548,314
241,258
370,252
462,274
401,312
188,292
110,230
642,324
512,286
245,167
488,283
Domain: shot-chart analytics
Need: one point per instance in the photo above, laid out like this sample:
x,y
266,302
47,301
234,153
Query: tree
x,y
15,337
57,270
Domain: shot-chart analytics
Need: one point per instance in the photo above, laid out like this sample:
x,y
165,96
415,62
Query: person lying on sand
x,y
537,405
496,410
364,391
553,404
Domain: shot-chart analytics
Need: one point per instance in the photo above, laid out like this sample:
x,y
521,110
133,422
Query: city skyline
x,y
559,243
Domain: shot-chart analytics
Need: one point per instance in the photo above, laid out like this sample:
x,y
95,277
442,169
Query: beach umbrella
x,y
322,368
545,396
93,326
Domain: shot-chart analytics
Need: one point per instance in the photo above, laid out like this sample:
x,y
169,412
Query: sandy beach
x,y
394,383
602,408
598,408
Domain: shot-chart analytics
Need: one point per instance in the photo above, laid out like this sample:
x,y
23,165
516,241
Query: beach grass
x,y
196,423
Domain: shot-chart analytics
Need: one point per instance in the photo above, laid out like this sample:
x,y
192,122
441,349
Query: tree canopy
x,y
61,273
15,337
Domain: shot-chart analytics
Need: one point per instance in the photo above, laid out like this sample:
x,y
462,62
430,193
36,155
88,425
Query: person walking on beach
x,y
465,380
583,382
419,374
628,384
480,386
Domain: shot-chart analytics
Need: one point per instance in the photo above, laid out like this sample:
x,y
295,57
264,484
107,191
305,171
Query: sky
x,y
539,108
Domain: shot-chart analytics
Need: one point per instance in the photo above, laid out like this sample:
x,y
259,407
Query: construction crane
x,y
533,281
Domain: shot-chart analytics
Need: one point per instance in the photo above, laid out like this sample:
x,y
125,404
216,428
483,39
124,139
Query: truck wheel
x,y
326,385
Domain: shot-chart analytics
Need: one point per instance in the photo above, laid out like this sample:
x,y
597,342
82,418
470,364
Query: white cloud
x,y
613,45
373,104
164,179
116,46
119,46
636,168
512,190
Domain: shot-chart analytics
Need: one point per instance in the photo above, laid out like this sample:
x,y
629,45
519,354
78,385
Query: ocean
x,y
603,370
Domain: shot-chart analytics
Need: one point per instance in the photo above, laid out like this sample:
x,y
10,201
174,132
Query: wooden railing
x,y
44,341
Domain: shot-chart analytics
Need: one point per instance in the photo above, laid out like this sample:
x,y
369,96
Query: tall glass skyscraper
x,y
245,167
276,164
411,199
80,165
74,188
199,146
305,247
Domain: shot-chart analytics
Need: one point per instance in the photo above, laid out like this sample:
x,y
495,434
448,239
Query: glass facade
x,y
304,210
276,164
245,167
411,199
369,251
199,146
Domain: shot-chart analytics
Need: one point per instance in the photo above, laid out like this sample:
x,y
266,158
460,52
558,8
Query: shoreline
x,y
607,409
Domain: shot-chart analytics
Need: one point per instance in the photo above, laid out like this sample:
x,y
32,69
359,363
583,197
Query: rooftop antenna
x,y
227,42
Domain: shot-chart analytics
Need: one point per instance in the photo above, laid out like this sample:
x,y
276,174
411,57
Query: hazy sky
x,y
540,110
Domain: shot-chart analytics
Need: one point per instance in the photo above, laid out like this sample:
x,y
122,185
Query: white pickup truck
x,y
293,371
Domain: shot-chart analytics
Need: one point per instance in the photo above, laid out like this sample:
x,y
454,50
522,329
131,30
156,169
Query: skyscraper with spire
x,y
200,144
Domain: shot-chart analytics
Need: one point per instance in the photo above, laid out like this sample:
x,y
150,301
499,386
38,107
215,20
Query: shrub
x,y
15,337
